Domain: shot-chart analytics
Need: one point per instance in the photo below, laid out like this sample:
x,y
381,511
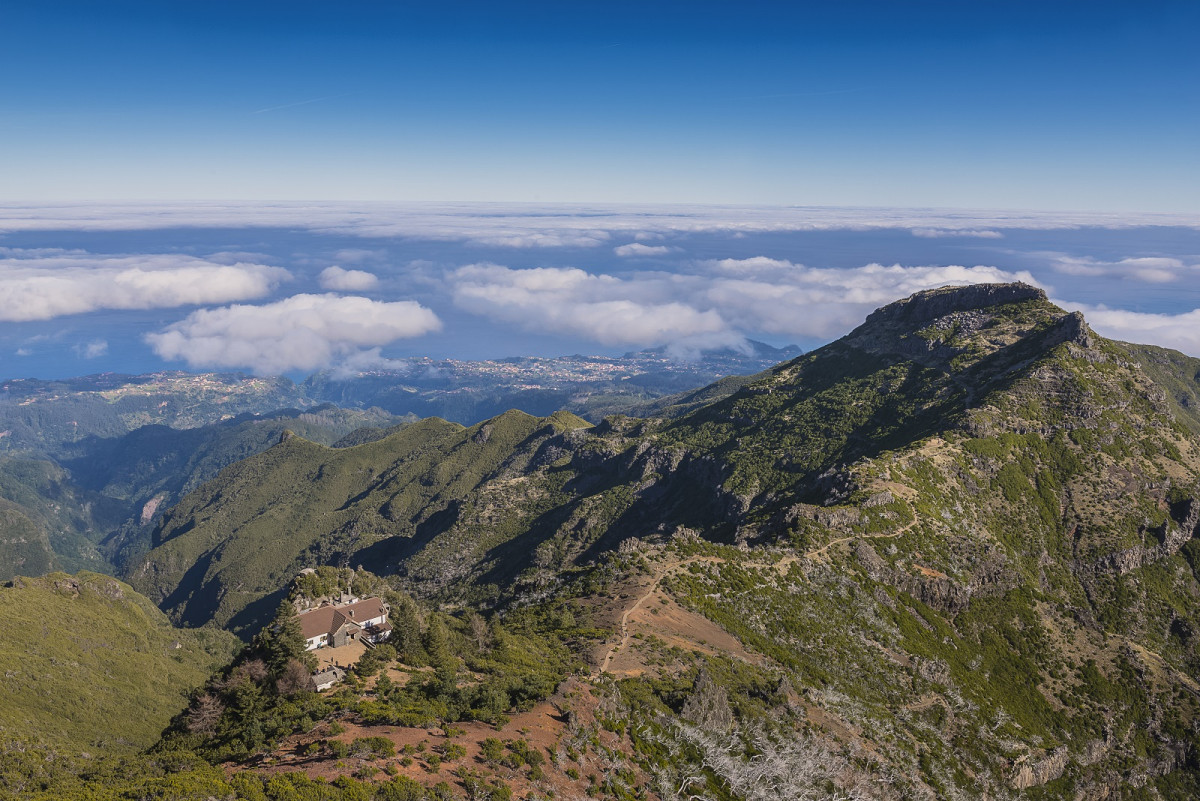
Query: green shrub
x,y
492,750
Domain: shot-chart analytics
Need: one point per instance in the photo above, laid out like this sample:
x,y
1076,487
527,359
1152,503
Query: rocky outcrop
x,y
939,592
925,307
1029,772
1036,772
1172,536
990,577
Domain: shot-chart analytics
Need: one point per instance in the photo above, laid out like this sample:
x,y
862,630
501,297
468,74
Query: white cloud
x,y
717,306
337,279
521,238
603,308
1178,331
239,256
92,350
45,286
38,253
1150,269
638,249
365,361
358,255
781,297
939,233
24,352
303,332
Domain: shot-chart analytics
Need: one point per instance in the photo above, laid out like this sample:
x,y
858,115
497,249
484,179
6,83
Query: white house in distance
x,y
335,626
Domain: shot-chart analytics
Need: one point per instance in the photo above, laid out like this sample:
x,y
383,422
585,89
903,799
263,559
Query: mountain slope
x,y
90,664
120,448
227,549
45,417
95,507
51,523
963,361
966,552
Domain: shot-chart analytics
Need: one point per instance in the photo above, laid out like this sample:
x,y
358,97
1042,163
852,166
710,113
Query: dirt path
x,y
624,641
659,575
670,567
817,553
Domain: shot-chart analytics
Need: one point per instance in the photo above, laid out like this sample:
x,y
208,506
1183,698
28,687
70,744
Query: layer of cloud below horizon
x,y
603,295
42,285
1176,331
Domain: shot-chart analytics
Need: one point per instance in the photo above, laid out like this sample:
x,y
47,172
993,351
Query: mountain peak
x,y
932,304
954,327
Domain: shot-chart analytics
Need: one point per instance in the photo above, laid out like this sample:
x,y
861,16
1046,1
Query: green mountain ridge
x,y
436,501
88,461
318,505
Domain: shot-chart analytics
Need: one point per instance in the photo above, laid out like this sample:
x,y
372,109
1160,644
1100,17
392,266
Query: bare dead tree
x,y
205,714
796,768
480,636
294,678
708,705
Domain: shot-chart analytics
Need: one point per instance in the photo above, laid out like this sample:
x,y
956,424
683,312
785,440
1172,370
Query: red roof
x,y
365,609
328,619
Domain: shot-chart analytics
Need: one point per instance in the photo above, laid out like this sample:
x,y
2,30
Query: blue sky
x,y
1052,105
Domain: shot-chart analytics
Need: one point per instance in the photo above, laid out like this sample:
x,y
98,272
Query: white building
x,y
335,626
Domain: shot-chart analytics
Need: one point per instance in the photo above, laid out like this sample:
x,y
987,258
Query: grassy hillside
x,y
89,664
24,545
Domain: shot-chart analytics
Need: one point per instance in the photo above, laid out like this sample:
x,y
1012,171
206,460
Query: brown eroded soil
x,y
568,716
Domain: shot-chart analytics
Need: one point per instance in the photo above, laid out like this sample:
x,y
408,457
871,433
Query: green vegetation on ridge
x,y
90,664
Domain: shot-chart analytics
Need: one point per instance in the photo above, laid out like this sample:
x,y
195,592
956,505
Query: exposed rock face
x,y
933,327
1034,773
990,576
925,307
150,508
1172,537
1074,329
939,592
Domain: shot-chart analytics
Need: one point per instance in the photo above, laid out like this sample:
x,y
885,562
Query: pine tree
x,y
437,641
445,664
282,641
405,618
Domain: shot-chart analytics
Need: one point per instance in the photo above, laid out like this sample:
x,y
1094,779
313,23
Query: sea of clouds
x,y
685,277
